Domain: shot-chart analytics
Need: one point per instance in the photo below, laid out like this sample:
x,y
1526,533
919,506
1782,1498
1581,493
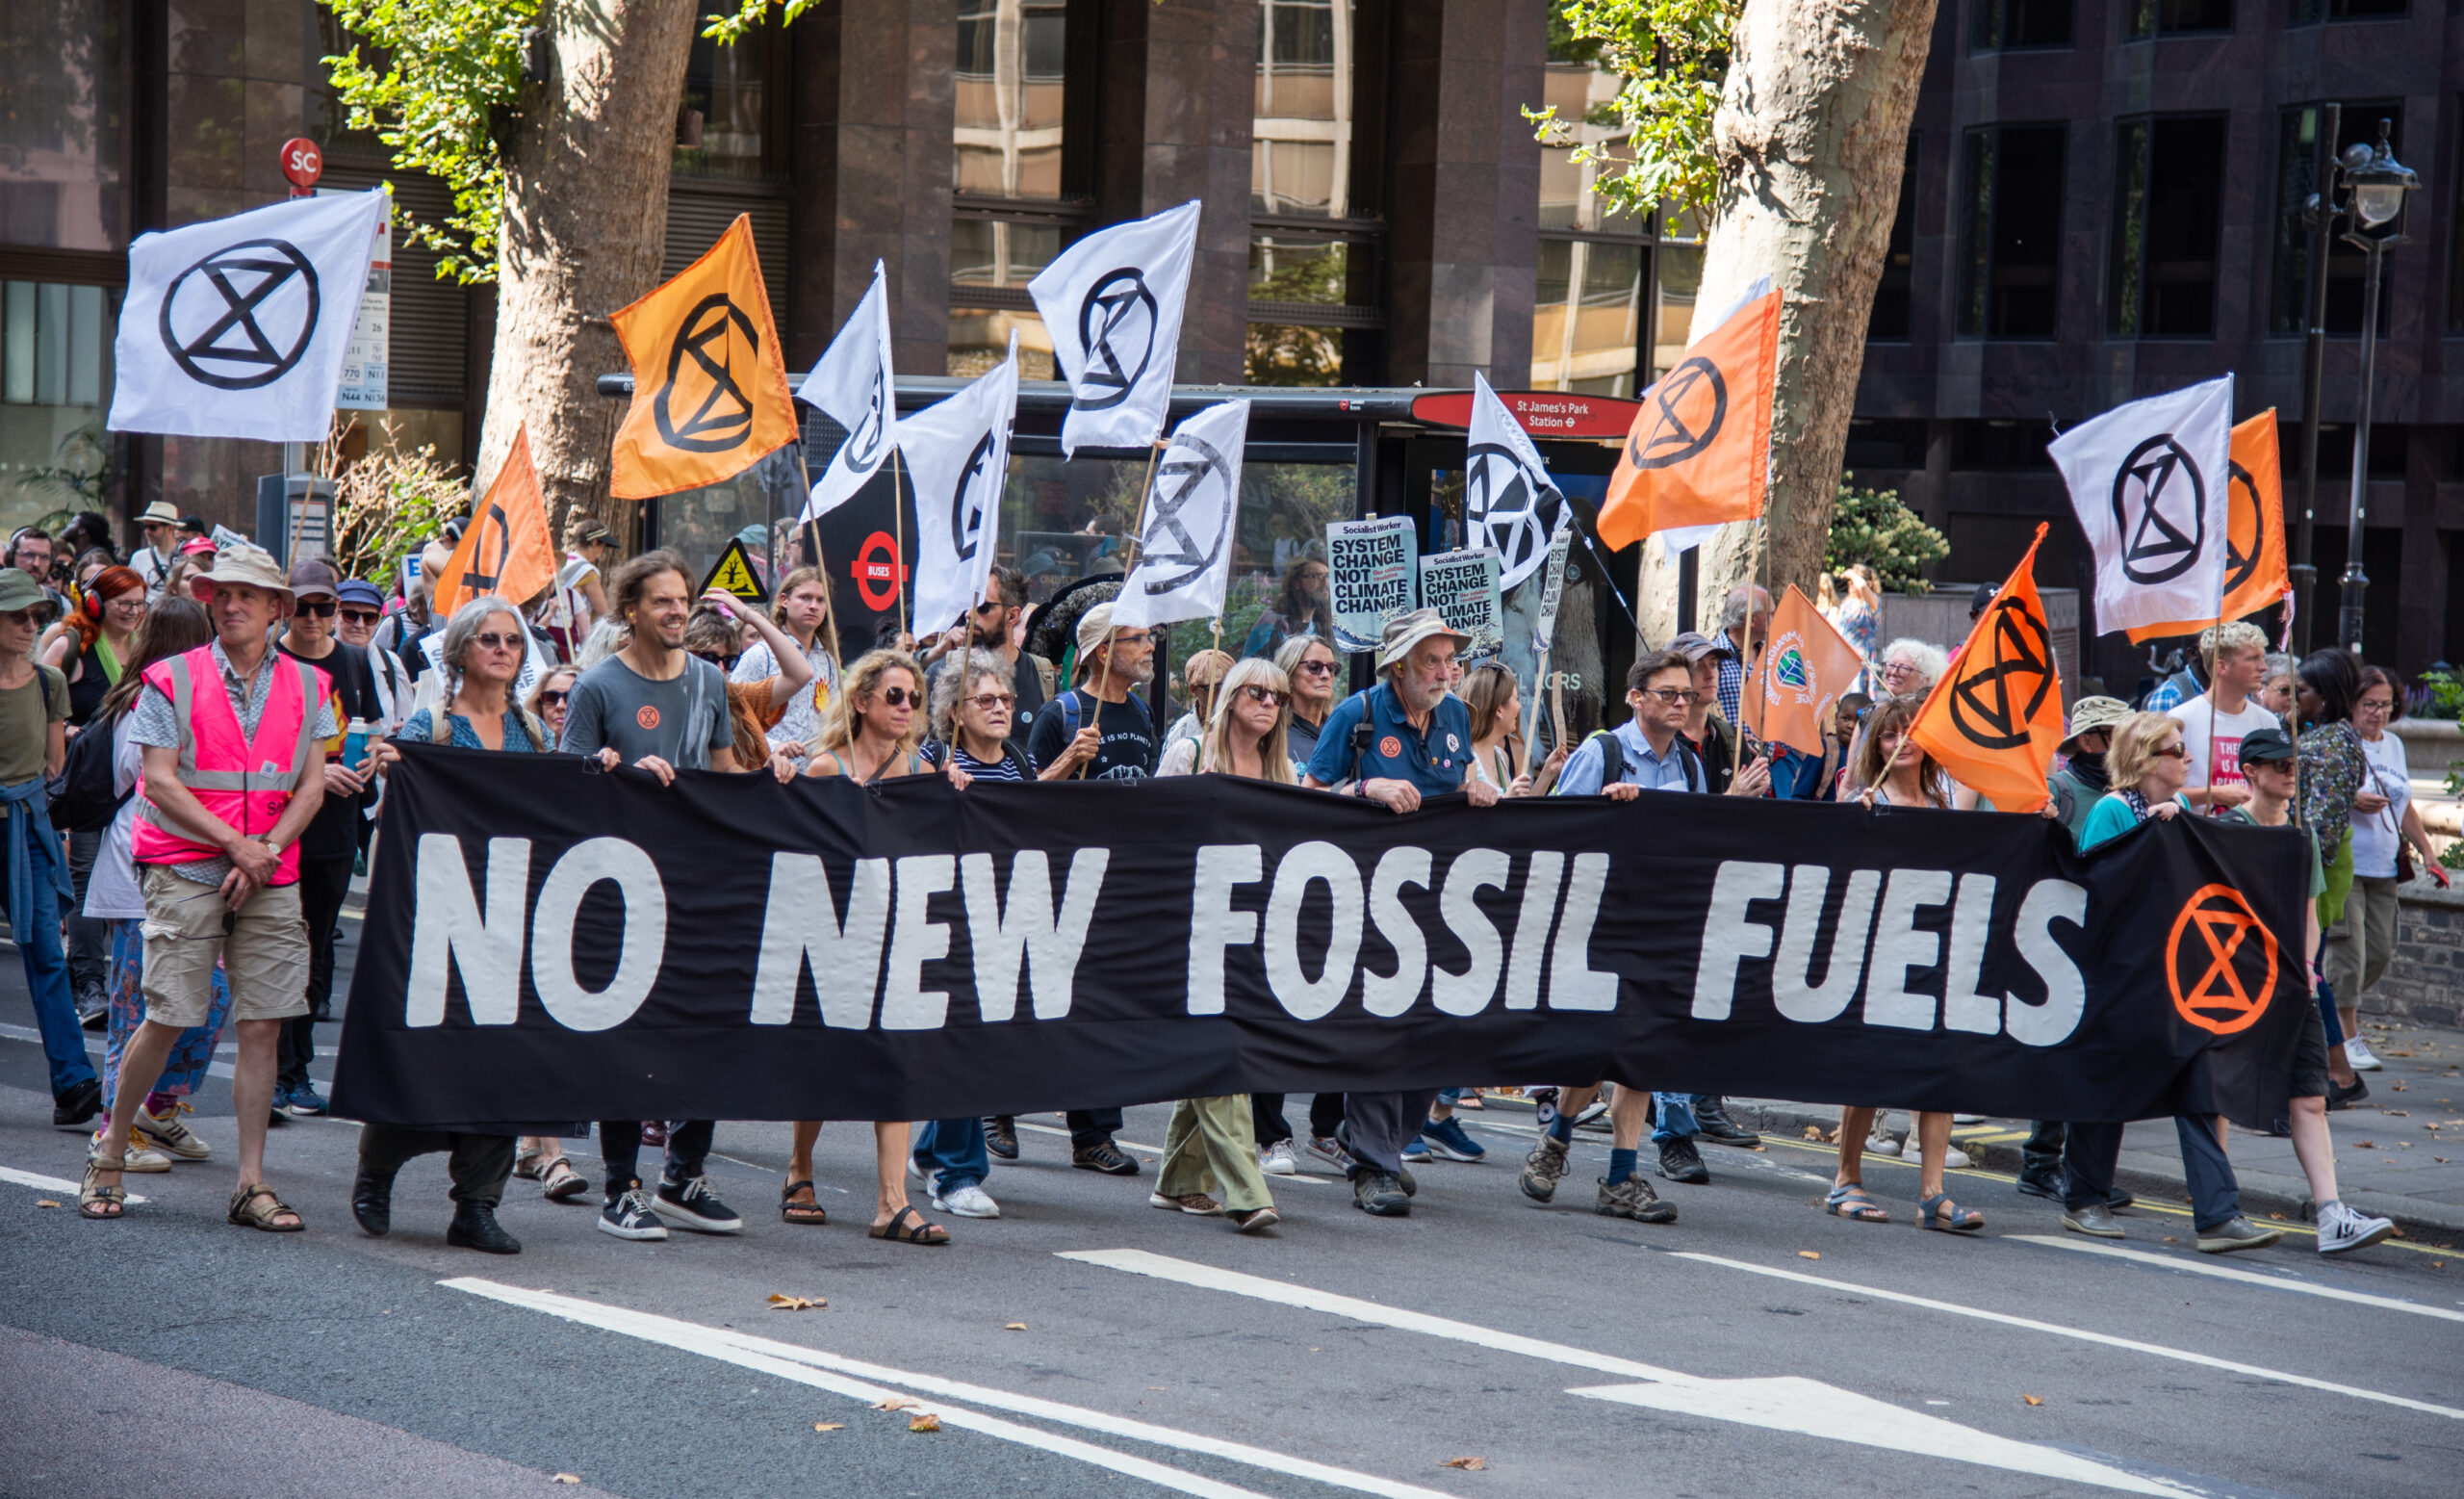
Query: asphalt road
x,y
1754,1347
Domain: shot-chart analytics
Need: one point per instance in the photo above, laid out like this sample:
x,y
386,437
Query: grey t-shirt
x,y
681,720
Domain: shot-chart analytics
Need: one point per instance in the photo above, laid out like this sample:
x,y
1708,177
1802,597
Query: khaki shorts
x,y
264,956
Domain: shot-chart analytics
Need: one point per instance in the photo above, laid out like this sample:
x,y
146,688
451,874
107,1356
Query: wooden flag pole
x,y
1745,662
1532,719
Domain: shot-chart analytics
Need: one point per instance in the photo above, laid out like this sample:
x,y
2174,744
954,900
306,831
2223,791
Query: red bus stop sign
x,y
302,162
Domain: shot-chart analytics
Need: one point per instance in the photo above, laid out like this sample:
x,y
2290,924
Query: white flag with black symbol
x,y
1510,505
853,387
1112,303
1184,539
958,451
2151,484
239,328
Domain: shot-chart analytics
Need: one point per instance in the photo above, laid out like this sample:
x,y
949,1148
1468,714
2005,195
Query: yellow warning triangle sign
x,y
733,573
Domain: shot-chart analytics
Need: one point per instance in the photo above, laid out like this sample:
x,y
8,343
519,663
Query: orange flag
x,y
1994,719
1800,674
1699,452
2255,574
710,382
507,549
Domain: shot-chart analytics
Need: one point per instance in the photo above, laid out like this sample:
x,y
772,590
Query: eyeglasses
x,y
1258,694
552,699
986,702
1317,668
322,609
902,697
1675,697
491,640
2367,705
1898,669
361,616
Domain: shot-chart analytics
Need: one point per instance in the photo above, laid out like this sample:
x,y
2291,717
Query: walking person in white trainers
x,y
2387,834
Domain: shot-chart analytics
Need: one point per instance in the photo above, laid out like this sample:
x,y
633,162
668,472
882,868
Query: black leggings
x,y
1266,1113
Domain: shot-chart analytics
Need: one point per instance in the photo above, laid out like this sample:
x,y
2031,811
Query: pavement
x,y
1086,1344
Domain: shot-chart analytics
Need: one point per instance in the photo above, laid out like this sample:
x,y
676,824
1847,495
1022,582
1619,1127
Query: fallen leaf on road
x,y
2397,1113
1467,1464
2280,1217
778,1303
2365,1145
924,1421
2032,1399
566,1478
1807,1254
830,1426
900,1403
1014,1327
1814,1131
2399,1232
1761,1149
44,1201
2441,1159
2169,1239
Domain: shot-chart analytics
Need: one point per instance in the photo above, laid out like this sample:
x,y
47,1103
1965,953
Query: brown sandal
x,y
255,1206
793,1211
98,1199
907,1225
558,1180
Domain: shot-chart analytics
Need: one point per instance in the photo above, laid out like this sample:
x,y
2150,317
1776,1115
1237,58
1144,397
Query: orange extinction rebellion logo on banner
x,y
2220,962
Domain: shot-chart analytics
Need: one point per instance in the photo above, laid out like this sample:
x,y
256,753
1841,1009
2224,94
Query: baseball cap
x,y
314,574
193,523
1693,645
2267,746
1983,596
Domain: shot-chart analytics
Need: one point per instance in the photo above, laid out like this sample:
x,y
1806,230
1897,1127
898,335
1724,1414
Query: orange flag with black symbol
x,y
709,379
1799,674
1699,452
507,549
2255,572
1994,719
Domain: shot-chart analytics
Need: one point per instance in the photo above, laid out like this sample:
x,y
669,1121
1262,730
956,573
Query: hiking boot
x,y
1001,1136
1679,1161
1634,1199
1380,1195
1543,1167
1104,1156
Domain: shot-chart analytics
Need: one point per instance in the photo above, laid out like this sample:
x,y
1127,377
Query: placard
x,y
1371,566
1462,586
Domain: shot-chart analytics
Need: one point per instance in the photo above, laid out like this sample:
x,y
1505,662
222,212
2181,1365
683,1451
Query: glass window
x,y
2168,185
1300,156
980,339
726,126
758,507
1012,80
2011,241
1679,276
986,252
55,372
1288,276
1584,97
2295,154
1894,291
2009,25
1587,319
2166,18
62,117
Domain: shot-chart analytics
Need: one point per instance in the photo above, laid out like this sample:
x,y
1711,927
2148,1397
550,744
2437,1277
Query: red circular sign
x,y
303,162
878,572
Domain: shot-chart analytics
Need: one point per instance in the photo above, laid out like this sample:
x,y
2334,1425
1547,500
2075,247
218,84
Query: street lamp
x,y
2377,184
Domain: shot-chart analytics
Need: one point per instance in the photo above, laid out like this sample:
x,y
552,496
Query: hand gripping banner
x,y
546,941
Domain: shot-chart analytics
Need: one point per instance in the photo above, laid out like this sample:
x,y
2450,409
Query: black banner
x,y
546,942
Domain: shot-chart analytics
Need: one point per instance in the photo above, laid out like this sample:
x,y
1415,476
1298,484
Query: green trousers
x,y
1211,1142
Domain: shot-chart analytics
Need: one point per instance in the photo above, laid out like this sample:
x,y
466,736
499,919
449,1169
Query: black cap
x,y
193,523
2274,746
1983,596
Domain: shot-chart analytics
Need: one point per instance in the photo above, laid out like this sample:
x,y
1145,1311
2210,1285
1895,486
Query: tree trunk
x,y
1812,136
584,233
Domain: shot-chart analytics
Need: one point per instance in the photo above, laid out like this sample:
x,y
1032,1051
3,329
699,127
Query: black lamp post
x,y
2377,184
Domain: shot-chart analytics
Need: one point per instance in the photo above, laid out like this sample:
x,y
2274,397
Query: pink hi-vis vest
x,y
245,783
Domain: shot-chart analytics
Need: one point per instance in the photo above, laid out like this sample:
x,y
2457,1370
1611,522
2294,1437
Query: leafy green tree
x,y
1875,528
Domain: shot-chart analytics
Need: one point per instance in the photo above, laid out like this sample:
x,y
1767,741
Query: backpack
x,y
1612,761
82,798
1044,673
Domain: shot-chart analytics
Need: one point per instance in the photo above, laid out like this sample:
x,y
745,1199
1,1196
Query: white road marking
x,y
2083,1334
1787,1404
1126,1145
42,1183
855,1378
2188,1266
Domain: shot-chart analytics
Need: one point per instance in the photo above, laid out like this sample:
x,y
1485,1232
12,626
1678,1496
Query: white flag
x,y
2150,484
1112,304
1185,540
239,326
853,387
958,451
1510,505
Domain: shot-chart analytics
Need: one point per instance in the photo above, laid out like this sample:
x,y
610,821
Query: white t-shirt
x,y
801,724
2376,835
2230,728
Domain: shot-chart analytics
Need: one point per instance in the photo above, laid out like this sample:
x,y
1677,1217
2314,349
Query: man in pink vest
x,y
235,768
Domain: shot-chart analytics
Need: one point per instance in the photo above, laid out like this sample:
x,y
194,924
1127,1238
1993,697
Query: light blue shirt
x,y
1585,766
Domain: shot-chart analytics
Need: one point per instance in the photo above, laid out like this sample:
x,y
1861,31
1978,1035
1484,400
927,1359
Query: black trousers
x,y
1092,1126
323,883
479,1164
620,1151
2041,1155
2216,1194
1265,1115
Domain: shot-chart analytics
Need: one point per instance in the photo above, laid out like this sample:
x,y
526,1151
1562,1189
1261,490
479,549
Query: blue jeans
x,y
1673,1116
952,1155
63,1040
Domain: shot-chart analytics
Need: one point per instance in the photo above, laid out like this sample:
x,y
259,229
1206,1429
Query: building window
x,y
2310,13
1894,291
62,148
2009,259
2175,17
1677,275
2012,25
1314,299
1589,315
729,123
1305,293
2296,150
1016,204
2168,185
1300,156
55,376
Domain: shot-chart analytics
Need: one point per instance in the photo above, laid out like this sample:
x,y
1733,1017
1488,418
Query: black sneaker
x,y
2047,1184
1679,1161
1712,1115
2340,1097
627,1215
1104,1156
1001,1136
72,1110
1380,1195
690,1205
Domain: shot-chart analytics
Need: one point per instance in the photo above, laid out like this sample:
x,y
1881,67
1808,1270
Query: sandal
x,y
907,1226
793,1211
558,1180
1962,1220
1849,1201
98,1199
255,1206
526,1164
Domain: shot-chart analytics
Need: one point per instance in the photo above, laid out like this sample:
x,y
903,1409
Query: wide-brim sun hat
x,y
1404,633
246,565
19,590
2090,713
160,513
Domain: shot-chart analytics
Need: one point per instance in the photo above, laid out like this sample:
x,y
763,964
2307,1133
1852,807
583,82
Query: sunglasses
x,y
986,702
322,609
2172,752
1319,668
2278,766
25,616
902,697
1258,694
493,641
552,699
368,617
723,662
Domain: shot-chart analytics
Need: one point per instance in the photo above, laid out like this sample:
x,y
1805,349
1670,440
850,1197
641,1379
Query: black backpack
x,y
82,799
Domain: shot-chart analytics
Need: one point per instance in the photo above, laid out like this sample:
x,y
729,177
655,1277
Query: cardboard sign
x,y
1371,566
1462,586
733,573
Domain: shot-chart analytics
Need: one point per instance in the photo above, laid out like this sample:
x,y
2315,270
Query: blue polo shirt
x,y
1435,762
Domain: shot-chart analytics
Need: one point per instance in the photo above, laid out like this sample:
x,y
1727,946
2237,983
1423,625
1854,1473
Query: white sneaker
x,y
914,1170
1956,1159
1881,1145
142,1159
1968,1119
1277,1160
165,1133
2364,1060
968,1201
2341,1228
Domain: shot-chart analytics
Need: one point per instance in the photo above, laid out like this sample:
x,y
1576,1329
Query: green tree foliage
x,y
1674,56
1872,527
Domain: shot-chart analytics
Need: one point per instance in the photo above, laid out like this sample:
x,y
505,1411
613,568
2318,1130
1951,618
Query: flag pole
x,y
1745,662
1532,725
898,519
1104,673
